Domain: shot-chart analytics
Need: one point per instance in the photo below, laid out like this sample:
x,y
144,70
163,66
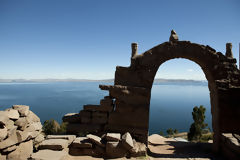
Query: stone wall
x,y
20,131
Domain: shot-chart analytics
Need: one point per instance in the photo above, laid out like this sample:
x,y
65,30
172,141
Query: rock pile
x,y
20,130
110,145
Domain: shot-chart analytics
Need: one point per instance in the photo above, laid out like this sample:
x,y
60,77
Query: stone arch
x,y
126,109
220,71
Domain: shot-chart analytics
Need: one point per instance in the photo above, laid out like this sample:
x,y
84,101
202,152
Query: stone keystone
x,y
127,141
95,139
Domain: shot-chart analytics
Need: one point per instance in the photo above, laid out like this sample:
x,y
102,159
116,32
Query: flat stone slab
x,y
54,144
81,142
70,138
113,136
49,155
95,139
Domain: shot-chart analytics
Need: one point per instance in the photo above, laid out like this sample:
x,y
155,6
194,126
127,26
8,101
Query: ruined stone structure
x,y
126,109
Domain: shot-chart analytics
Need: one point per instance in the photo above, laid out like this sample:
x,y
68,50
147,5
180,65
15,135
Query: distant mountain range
x,y
156,81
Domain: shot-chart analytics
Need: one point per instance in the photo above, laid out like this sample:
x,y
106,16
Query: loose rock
x,y
22,152
22,109
81,142
95,139
127,141
12,113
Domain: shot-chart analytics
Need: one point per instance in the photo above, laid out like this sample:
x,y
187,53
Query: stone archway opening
x,y
179,85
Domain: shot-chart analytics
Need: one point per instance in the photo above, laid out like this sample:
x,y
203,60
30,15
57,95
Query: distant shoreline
x,y
156,81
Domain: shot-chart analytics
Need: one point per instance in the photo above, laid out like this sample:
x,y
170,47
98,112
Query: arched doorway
x,y
179,85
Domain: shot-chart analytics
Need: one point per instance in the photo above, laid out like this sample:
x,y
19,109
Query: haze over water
x,y
171,103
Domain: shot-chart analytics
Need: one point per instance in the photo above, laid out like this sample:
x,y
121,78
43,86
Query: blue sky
x,y
88,39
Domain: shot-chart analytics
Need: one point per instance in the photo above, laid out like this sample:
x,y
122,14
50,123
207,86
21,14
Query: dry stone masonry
x,y
126,109
20,133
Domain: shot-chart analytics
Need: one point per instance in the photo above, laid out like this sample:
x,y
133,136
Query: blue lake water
x,y
171,104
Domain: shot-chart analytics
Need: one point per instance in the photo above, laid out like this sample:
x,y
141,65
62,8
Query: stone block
x,y
83,128
90,107
12,114
125,128
113,137
3,157
9,124
22,152
134,119
95,139
127,141
81,152
21,123
11,140
99,117
32,117
99,151
3,118
39,139
54,144
36,126
71,118
81,142
3,132
49,155
70,138
114,150
22,109
138,150
85,119
9,149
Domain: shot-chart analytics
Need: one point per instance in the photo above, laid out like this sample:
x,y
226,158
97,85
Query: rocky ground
x,y
169,149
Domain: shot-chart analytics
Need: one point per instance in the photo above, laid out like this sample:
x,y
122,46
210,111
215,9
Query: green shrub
x,y
52,127
195,131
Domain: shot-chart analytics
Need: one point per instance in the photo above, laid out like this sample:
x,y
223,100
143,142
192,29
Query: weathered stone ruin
x,y
20,132
118,126
126,109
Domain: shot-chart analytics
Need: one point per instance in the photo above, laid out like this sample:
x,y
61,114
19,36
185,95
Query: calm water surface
x,y
171,104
